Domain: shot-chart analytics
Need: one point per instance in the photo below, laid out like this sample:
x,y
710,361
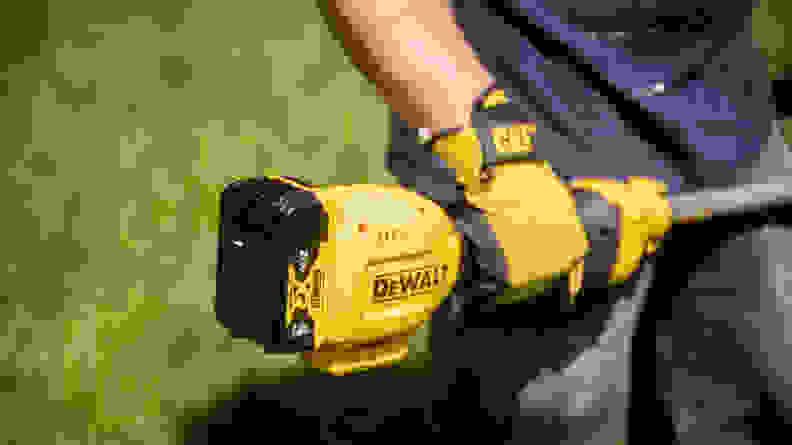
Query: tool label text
x,y
399,285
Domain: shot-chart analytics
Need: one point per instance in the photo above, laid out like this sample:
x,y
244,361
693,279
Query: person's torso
x,y
676,90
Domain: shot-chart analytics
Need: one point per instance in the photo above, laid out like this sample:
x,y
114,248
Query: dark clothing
x,y
592,86
675,90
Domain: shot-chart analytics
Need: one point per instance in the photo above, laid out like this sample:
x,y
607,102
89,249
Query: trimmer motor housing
x,y
343,274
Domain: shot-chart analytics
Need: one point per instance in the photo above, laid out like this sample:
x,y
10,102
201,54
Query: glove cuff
x,y
497,133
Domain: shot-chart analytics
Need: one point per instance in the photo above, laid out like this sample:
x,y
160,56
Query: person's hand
x,y
533,217
645,217
461,151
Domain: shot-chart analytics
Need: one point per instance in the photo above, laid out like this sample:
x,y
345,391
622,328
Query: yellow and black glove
x,y
496,135
642,216
596,230
527,223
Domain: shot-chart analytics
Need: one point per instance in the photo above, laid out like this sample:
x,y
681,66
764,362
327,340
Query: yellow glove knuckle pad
x,y
540,236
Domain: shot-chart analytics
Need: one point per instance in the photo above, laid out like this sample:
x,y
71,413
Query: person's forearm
x,y
416,56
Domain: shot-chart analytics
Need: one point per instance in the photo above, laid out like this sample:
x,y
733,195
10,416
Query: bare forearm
x,y
415,54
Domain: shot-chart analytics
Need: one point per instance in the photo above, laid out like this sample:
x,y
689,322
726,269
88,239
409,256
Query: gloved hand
x,y
496,134
645,216
542,232
532,215
531,223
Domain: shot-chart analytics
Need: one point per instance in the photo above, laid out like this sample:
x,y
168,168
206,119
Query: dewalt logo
x,y
401,284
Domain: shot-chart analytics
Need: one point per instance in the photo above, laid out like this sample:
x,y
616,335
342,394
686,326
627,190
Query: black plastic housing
x,y
263,223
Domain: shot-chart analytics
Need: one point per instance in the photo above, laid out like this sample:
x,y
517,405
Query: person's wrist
x,y
487,97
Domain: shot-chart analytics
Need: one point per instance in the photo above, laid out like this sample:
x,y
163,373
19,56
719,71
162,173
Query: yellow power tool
x,y
345,274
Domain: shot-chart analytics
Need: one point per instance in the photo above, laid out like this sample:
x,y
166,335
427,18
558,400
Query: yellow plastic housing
x,y
391,258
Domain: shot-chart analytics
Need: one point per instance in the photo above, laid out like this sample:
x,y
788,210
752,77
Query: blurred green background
x,y
120,124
